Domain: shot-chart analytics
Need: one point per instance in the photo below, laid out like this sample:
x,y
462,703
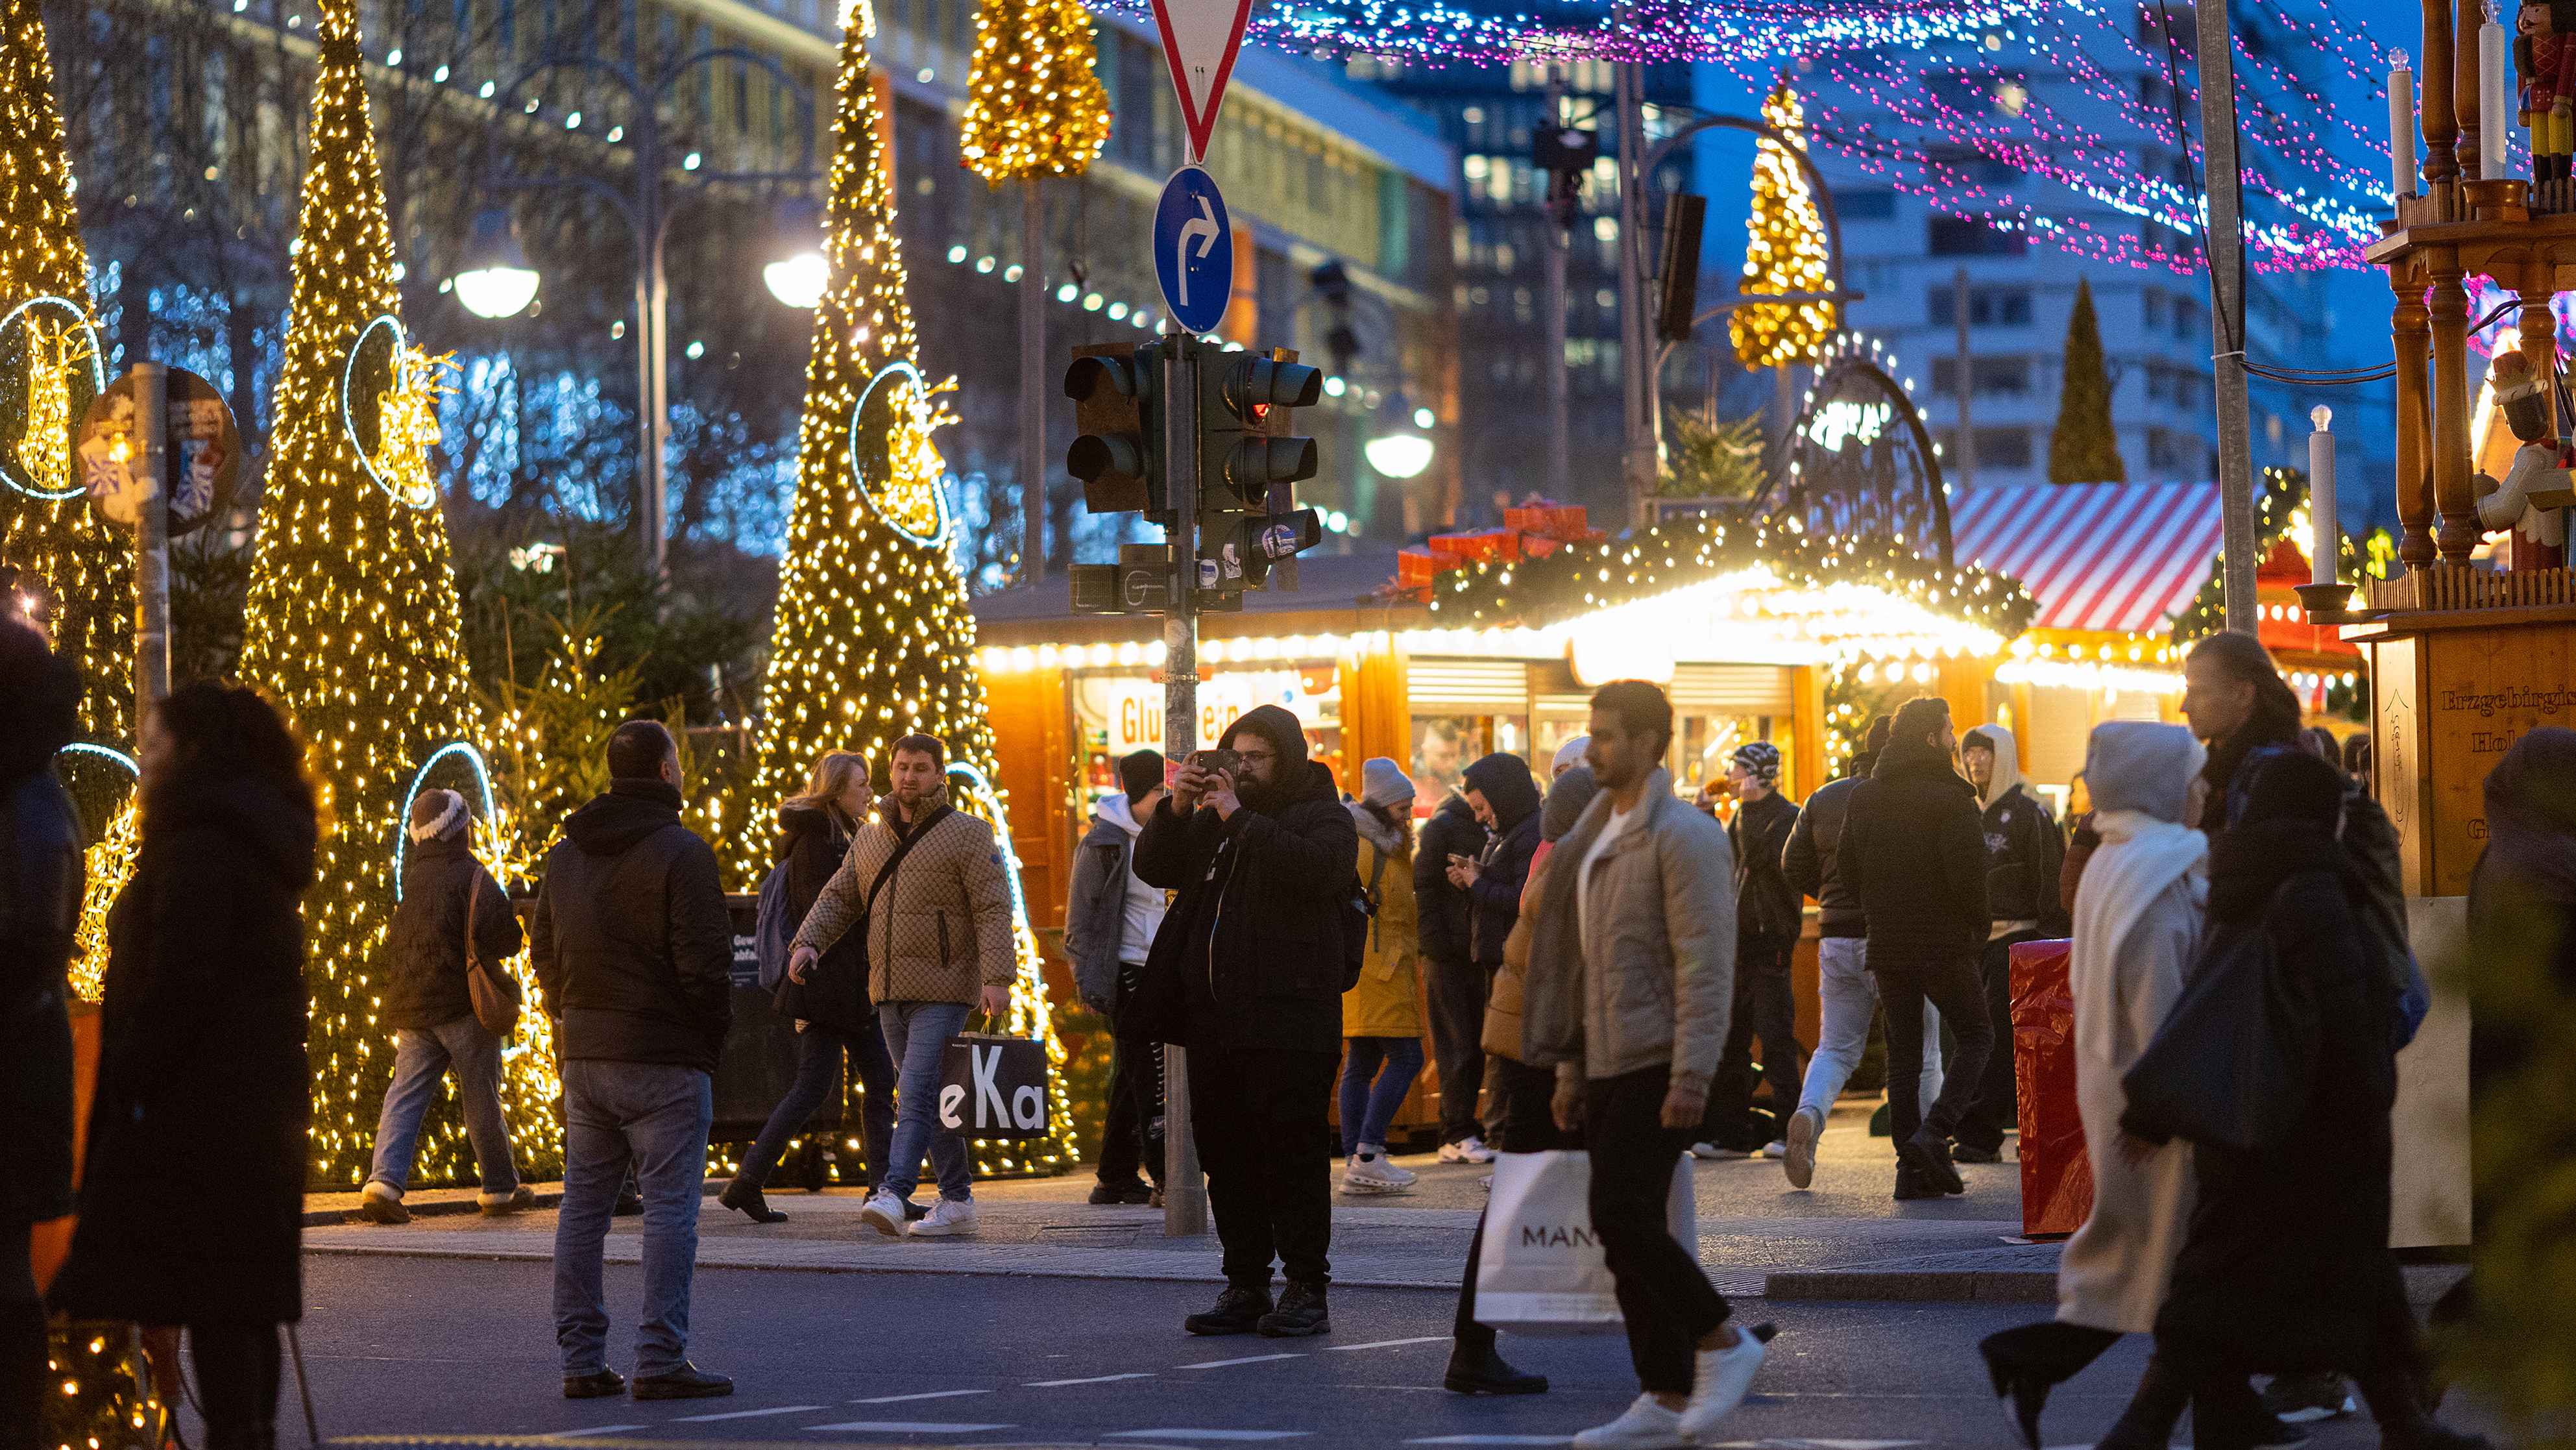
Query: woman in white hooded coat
x,y
2138,918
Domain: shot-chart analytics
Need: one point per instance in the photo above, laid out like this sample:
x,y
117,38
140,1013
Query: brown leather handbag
x,y
494,993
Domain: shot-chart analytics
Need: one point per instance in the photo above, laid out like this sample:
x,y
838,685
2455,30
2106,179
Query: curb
x,y
430,1208
1983,1286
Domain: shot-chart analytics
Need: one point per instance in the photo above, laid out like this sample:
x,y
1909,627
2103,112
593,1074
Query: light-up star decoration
x,y
913,501
50,369
389,394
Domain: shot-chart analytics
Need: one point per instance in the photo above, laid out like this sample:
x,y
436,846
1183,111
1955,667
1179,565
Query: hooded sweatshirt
x,y
1504,865
631,942
2023,848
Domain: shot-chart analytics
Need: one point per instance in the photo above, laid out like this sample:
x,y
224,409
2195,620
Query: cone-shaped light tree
x,y
352,619
873,639
2083,448
1034,106
1784,249
86,564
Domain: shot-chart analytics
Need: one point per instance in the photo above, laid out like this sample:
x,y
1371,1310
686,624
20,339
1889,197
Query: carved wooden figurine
x,y
2544,61
2539,469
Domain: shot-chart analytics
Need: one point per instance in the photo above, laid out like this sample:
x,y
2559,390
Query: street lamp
x,y
639,199
799,274
495,280
1400,450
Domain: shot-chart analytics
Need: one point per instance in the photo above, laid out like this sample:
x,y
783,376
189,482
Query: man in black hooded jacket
x,y
1505,798
1914,852
634,953
1451,980
1246,974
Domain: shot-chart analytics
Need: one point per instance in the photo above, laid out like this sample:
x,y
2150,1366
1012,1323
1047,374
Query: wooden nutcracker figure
x,y
2544,62
2539,468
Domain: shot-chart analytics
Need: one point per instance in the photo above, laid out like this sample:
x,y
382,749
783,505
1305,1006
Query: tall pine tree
x,y
88,565
352,619
2083,449
1784,249
873,638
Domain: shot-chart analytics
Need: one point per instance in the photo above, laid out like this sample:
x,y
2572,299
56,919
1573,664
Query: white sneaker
x,y
1776,1148
1711,1150
884,1213
949,1218
1386,1161
1368,1173
1470,1149
1722,1378
1798,1158
1646,1426
1486,1183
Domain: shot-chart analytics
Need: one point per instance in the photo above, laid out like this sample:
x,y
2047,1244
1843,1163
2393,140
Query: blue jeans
x,y
654,1116
421,1058
818,1057
916,1037
1368,1111
1850,1000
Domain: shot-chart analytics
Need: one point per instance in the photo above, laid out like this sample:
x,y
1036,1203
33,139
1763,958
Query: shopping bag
x,y
1542,1270
2234,1063
993,1087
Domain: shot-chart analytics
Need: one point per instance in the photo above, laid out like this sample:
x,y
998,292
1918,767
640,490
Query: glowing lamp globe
x,y
1399,455
800,280
495,280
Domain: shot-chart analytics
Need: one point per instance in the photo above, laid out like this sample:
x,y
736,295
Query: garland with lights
x,y
873,639
2281,515
1034,106
99,1389
352,620
86,564
1579,578
1784,249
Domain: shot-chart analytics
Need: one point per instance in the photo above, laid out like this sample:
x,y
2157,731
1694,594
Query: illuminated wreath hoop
x,y
398,379
104,752
419,778
76,319
1861,463
945,521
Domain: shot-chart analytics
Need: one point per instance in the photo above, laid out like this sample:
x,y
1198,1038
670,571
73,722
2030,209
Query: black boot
x,y
1238,1310
743,1195
1929,1154
2148,1422
1475,1369
1301,1312
2024,1393
2396,1400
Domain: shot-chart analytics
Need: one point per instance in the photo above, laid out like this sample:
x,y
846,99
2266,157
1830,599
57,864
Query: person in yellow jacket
x,y
1382,1015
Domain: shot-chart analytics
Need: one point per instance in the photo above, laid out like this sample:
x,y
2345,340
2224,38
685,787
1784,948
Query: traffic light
x,y
1267,539
1244,449
1116,393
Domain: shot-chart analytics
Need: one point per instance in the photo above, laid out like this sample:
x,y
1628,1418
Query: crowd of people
x,y
1598,956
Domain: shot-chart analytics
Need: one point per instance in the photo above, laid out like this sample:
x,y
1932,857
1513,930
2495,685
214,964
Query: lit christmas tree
x,y
352,620
1034,107
873,639
1784,250
2083,448
86,564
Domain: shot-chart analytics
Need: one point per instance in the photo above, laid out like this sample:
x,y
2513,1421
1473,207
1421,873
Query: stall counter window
x,y
1119,712
1444,745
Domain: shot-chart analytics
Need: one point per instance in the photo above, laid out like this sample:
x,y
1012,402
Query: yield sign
x,y
1200,39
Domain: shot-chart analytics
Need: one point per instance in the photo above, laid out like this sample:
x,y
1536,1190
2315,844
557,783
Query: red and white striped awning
x,y
2122,557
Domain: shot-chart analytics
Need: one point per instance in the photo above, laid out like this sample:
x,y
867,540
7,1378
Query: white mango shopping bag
x,y
1542,1271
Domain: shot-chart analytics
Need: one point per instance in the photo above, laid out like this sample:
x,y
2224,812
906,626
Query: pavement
x,y
443,1352
1844,1237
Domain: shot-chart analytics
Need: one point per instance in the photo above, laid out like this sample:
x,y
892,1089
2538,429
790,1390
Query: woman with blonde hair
x,y
830,1005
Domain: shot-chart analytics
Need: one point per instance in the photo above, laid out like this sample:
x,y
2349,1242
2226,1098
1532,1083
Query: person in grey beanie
x,y
1381,1013
1769,913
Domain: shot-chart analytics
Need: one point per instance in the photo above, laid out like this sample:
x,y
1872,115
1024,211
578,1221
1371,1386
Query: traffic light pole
x,y
1184,1191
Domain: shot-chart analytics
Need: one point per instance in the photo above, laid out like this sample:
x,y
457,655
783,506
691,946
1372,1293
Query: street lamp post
x,y
495,288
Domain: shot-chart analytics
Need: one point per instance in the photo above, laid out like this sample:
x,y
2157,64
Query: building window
x,y
1987,306
1995,376
1869,204
2003,447
1954,236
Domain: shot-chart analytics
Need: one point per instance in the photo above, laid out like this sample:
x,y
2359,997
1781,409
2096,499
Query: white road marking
x,y
909,1427
1247,1359
1207,1434
1392,1343
746,1414
1097,1379
592,1430
924,1395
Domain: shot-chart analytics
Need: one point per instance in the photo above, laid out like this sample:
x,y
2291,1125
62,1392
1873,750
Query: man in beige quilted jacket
x,y
1630,983
924,882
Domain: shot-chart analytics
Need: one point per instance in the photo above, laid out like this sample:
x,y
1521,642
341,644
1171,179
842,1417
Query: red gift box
x,y
2056,1173
1482,546
1416,568
1562,522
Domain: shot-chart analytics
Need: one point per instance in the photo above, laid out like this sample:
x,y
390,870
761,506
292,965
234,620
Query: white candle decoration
x,y
2401,127
2325,539
2495,98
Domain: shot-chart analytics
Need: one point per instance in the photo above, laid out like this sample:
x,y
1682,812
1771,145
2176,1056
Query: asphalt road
x,y
453,1350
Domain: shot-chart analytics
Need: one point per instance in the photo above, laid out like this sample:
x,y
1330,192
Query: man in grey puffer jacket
x,y
1631,980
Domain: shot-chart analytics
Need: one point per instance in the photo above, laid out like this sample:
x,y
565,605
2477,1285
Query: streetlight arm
x,y
778,72
1664,149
